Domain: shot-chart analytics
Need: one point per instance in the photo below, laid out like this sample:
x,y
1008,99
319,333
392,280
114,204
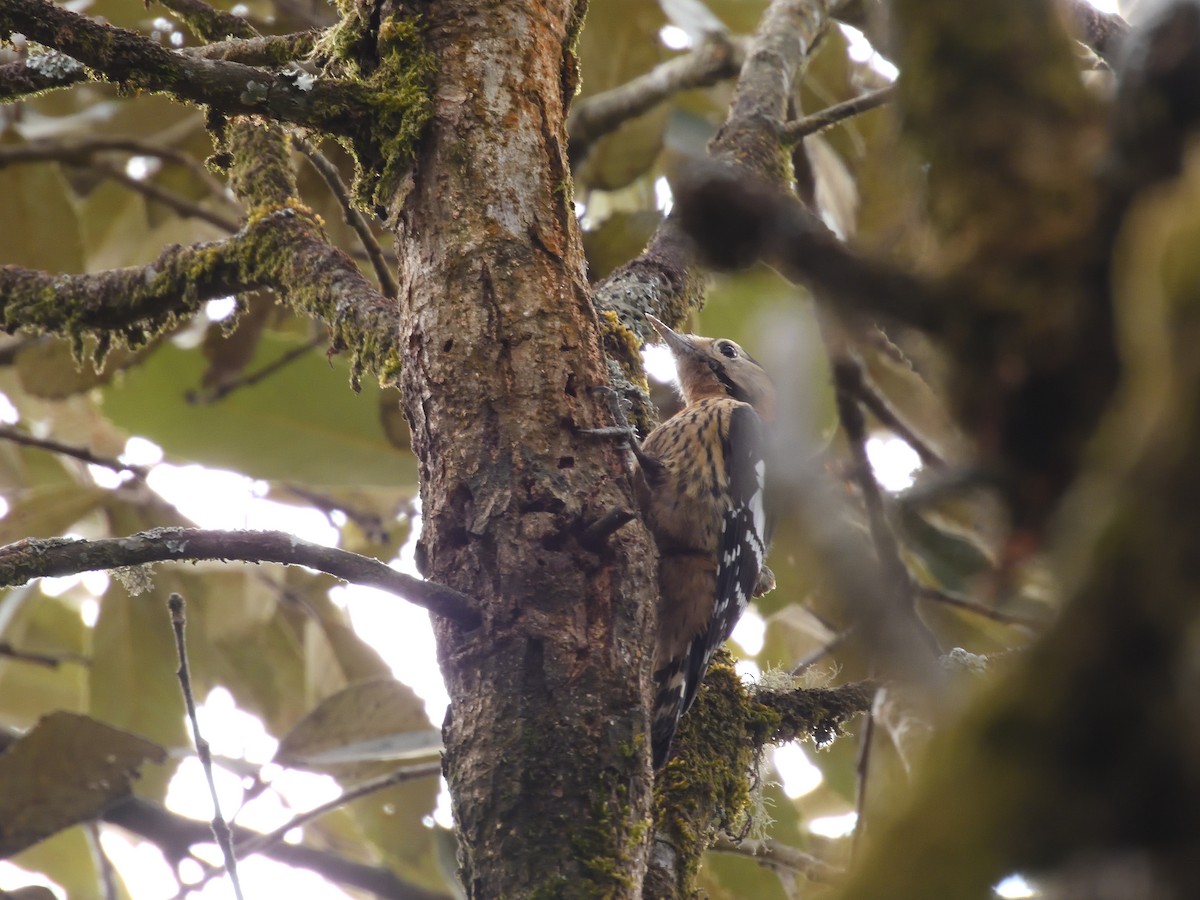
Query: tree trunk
x,y
546,753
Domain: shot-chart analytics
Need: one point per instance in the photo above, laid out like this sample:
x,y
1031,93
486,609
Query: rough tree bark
x,y
545,750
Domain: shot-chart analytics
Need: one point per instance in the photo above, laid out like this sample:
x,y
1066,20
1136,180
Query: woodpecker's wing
x,y
743,542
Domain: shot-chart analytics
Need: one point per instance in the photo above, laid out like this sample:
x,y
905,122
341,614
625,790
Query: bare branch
x,y
780,858
175,835
876,404
1032,624
355,219
37,658
262,842
28,559
223,390
796,131
17,436
181,205
717,58
737,219
80,151
847,379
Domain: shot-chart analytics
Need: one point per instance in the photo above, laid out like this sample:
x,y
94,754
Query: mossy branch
x,y
704,789
280,248
380,116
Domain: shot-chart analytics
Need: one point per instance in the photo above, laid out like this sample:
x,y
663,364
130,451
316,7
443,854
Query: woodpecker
x,y
704,474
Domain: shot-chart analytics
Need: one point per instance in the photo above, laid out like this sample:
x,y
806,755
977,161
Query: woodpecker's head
x,y
716,367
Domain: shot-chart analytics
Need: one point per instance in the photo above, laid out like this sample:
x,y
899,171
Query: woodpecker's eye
x,y
728,349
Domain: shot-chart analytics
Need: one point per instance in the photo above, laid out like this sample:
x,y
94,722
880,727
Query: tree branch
x,y
355,219
736,219
816,712
29,559
780,858
84,455
175,835
718,57
81,151
795,131
177,203
848,384
282,249
346,108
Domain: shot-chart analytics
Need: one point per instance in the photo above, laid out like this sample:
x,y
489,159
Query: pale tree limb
x,y
718,57
799,129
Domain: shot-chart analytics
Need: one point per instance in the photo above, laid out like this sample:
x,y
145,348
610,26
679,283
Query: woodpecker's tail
x,y
668,707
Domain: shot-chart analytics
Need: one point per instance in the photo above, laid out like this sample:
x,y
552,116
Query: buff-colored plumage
x,y
704,506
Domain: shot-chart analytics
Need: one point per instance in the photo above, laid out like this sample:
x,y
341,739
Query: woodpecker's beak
x,y
677,343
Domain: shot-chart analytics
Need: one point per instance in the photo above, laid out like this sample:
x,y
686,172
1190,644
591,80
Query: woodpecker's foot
x,y
651,467
596,534
766,582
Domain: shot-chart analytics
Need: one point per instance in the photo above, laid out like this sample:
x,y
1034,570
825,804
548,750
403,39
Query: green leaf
x,y
69,860
49,511
133,683
36,623
48,369
392,819
39,228
302,423
66,770
613,49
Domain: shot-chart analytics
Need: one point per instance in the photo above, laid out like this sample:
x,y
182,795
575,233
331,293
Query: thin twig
x,y
876,404
400,776
863,768
795,131
108,881
372,524
39,558
79,151
847,379
1030,623
177,202
219,826
821,652
252,378
258,843
355,219
17,436
780,857
49,660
